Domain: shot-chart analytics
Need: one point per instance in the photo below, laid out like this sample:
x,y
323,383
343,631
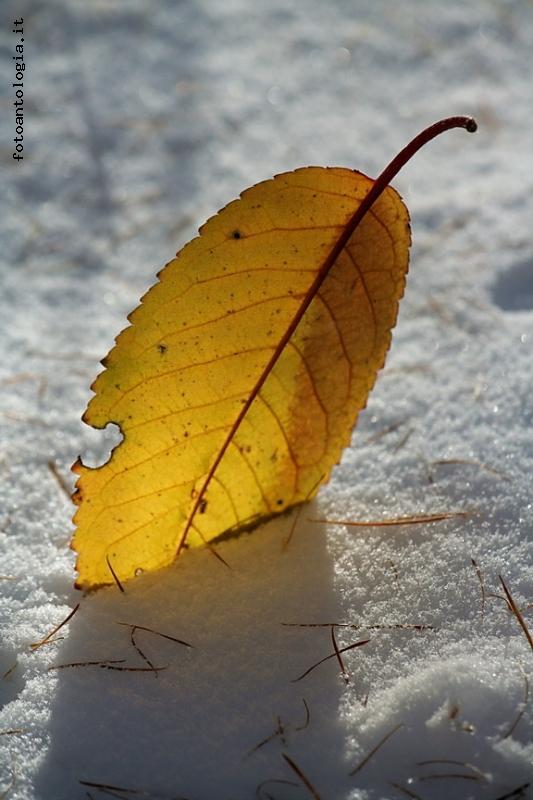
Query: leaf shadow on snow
x,y
190,730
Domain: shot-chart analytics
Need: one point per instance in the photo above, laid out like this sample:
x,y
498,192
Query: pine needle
x,y
516,612
415,520
48,637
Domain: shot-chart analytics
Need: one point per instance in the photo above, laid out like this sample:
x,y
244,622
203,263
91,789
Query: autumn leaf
x,y
240,378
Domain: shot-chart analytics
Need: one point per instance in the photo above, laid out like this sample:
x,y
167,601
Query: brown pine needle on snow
x,y
374,750
58,478
456,775
156,633
48,637
338,655
403,441
331,655
260,788
515,794
87,664
415,520
140,652
451,462
280,732
464,764
115,576
362,626
375,437
516,612
407,792
9,671
113,664
307,717
108,788
288,538
481,588
304,779
521,707
298,513
109,665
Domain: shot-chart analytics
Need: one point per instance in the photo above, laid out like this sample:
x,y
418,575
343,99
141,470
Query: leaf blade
x,y
269,268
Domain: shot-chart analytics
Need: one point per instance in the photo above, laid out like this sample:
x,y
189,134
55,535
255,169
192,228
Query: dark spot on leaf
x,y
237,235
203,505
279,502
162,348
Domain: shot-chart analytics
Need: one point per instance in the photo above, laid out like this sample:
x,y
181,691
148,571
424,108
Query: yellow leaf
x,y
237,385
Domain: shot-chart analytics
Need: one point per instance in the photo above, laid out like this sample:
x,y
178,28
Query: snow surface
x,y
142,119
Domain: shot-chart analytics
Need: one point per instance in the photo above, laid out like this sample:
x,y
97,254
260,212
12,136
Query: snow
x,y
140,122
